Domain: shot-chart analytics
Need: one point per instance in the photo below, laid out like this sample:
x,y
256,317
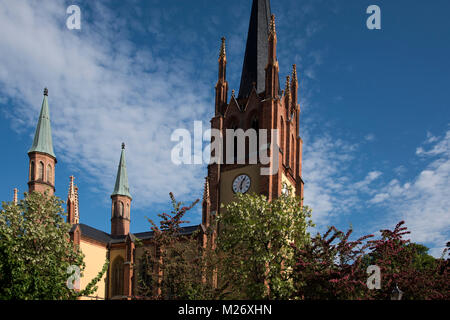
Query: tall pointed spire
x,y
121,187
294,73
43,136
222,84
287,86
294,88
223,53
73,215
256,51
15,196
206,190
287,93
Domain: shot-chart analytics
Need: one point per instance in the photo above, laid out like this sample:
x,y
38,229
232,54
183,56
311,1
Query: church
x,y
261,103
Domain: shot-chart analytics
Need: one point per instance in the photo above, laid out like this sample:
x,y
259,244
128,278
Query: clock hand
x,y
240,186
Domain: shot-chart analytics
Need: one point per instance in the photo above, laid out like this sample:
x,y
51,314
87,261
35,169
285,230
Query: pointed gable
x,y
233,107
252,101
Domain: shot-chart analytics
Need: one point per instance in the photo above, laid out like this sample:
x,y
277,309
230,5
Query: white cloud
x,y
370,137
102,90
431,138
439,148
331,188
424,201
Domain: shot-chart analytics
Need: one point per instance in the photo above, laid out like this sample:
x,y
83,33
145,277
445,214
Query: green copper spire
x,y
121,187
43,136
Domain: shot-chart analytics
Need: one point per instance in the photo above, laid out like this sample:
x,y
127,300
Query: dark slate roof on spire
x,y
256,51
121,187
43,136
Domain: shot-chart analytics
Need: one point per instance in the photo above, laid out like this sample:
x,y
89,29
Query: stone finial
x,y
232,93
272,30
77,213
294,73
71,185
287,85
206,189
223,53
45,92
123,145
15,196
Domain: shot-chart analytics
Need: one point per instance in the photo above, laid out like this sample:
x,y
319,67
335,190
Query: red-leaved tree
x,y
332,267
329,267
398,259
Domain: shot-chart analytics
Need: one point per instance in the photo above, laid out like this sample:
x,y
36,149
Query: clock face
x,y
241,184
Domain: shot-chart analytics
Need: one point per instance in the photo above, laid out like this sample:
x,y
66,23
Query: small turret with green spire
x,y
121,187
43,136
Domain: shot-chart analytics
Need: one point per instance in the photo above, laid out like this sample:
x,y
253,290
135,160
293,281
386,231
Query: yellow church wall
x,y
227,178
286,180
95,257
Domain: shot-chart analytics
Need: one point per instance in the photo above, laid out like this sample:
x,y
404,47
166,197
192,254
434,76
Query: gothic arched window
x,y
292,153
255,123
121,209
128,211
204,213
117,277
49,174
113,210
41,171
232,124
32,171
282,138
255,126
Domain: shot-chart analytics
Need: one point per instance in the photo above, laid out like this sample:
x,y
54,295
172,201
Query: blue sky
x,y
375,103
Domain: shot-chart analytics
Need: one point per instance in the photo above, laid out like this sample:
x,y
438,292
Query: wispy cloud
x,y
333,190
330,188
102,90
370,137
424,201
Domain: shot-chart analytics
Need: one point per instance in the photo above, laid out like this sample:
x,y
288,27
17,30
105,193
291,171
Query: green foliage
x,y
408,266
330,270
36,251
263,251
421,259
329,267
92,285
258,237
179,265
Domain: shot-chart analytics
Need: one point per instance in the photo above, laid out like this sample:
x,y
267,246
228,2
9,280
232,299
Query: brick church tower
x,y
260,104
41,176
121,200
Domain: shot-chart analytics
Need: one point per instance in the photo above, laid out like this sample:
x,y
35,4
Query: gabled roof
x,y
43,136
185,231
95,234
103,237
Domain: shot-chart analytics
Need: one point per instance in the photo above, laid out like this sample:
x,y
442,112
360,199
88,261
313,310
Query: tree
x,y
329,270
406,265
36,251
257,236
177,266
